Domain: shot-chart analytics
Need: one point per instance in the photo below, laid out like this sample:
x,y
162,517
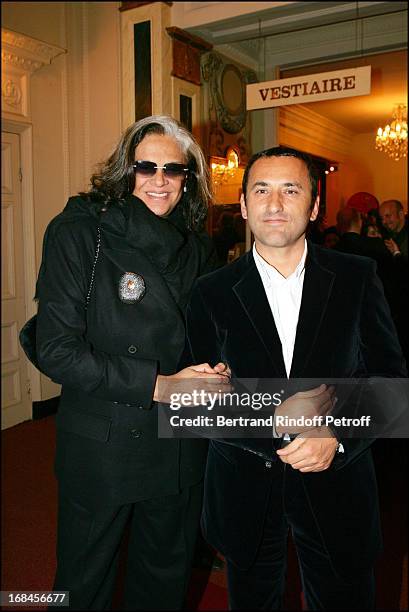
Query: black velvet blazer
x,y
344,331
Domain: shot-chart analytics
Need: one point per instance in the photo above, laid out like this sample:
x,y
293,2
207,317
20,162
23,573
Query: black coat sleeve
x,y
64,353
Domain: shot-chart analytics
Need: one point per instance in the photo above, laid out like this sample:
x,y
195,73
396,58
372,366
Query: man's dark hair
x,y
285,152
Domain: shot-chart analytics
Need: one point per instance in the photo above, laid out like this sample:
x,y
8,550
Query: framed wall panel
x,y
155,60
142,62
186,105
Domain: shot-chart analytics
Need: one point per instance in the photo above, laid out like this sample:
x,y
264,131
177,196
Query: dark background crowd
x,y
379,231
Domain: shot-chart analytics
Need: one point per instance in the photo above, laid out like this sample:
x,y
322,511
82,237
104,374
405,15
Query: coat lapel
x,y
318,282
250,293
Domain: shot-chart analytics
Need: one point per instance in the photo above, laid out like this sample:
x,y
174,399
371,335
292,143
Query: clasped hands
x,y
314,447
212,380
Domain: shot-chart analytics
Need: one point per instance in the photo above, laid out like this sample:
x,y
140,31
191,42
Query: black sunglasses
x,y
170,170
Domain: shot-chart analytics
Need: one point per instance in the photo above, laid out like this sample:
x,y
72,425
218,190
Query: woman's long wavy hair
x,y
115,179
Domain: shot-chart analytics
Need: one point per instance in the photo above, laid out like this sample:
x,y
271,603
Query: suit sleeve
x,y
62,348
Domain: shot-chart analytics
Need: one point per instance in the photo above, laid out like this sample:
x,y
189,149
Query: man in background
x,y
393,220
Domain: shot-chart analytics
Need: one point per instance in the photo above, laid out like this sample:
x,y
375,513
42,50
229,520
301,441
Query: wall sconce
x,y
227,168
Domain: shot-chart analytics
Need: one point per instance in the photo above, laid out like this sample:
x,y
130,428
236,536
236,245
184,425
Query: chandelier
x,y
393,138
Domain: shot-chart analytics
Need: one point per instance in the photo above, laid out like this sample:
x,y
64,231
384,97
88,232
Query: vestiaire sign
x,y
310,88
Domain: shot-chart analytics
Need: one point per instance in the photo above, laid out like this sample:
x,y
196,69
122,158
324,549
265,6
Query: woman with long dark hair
x,y
117,270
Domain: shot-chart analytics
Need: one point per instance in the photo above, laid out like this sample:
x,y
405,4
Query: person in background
x,y
373,219
349,226
225,237
396,241
393,220
111,330
391,269
371,231
363,202
331,237
240,229
316,229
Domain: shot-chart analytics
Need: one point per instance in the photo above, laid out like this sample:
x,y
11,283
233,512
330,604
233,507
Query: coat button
x,y
132,349
135,433
268,464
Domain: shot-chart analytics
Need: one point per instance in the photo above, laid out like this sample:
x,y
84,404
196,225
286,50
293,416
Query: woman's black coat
x,y
107,356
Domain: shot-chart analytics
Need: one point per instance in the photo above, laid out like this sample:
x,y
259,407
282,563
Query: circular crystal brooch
x,y
131,288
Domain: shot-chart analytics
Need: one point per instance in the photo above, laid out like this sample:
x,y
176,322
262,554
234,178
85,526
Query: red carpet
x,y
29,523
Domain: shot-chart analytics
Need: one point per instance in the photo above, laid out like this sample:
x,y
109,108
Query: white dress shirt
x,y
284,296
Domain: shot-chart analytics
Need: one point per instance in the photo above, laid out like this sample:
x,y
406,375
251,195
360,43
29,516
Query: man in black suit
x,y
289,308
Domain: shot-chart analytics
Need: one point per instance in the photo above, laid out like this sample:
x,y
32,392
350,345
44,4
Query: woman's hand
x,y
195,379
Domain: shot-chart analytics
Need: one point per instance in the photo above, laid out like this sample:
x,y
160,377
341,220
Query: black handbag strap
x,y
91,282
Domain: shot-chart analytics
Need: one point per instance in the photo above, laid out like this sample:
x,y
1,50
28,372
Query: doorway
x,y
16,405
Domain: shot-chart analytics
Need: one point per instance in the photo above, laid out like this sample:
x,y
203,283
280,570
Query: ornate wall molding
x,y
228,91
20,57
15,94
11,92
226,119
17,61
25,52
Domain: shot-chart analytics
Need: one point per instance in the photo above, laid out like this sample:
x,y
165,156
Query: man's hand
x,y
392,246
219,368
312,451
307,404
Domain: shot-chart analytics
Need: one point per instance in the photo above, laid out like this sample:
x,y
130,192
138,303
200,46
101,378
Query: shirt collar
x,y
271,271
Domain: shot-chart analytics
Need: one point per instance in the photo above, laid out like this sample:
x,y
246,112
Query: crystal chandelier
x,y
393,138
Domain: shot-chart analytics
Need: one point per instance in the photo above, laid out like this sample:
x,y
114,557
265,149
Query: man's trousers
x,y
261,587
